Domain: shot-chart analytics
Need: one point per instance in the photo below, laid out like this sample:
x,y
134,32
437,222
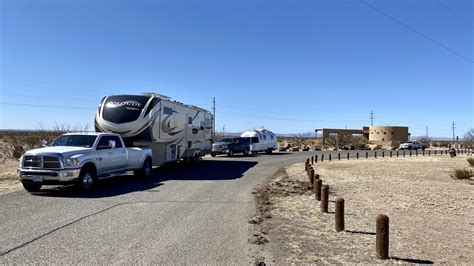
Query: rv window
x,y
167,111
260,137
207,122
255,140
124,108
271,136
265,137
190,120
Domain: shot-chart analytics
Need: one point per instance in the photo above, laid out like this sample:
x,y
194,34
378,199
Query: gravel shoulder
x,y
9,181
431,214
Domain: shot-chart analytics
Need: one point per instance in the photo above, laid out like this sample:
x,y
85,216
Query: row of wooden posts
x,y
314,159
322,194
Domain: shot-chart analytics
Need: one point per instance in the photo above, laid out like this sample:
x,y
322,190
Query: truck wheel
x,y
146,169
32,187
213,154
87,179
231,153
246,152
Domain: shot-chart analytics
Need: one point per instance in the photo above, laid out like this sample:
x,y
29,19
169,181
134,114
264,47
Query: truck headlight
x,y
71,162
21,161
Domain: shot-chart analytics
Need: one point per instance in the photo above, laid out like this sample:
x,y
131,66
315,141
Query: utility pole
x,y
427,132
453,127
213,117
372,118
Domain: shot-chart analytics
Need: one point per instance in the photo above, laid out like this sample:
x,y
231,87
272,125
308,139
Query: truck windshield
x,y
74,140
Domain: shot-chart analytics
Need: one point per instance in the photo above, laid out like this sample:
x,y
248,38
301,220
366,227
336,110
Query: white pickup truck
x,y
412,145
82,158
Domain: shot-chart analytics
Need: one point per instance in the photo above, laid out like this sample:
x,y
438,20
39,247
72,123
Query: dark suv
x,y
231,146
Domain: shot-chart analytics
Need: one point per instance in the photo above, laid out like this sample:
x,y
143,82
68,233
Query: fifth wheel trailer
x,y
171,129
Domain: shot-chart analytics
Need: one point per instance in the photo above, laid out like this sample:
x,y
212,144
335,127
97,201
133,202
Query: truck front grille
x,y
40,161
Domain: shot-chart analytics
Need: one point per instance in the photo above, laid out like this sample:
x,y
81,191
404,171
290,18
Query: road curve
x,y
193,213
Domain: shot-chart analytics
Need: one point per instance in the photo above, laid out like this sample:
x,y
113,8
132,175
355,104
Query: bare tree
x,y
469,138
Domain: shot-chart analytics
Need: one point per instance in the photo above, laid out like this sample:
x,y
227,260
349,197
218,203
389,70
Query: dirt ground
x,y
431,215
8,178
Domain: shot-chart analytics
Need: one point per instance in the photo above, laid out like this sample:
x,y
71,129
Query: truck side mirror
x,y
44,143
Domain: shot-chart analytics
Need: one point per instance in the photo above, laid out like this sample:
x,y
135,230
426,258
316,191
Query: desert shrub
x,y
462,174
470,161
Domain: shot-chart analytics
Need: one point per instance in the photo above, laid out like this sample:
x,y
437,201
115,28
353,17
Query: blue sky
x,y
291,66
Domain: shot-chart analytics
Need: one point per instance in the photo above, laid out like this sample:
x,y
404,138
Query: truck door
x,y
119,154
104,160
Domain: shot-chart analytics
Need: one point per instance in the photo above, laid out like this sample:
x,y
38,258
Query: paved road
x,y
183,214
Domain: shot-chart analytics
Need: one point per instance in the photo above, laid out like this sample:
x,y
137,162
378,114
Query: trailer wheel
x,y
269,151
196,157
213,154
31,187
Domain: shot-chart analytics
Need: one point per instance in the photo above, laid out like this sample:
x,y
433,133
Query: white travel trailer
x,y
261,140
171,129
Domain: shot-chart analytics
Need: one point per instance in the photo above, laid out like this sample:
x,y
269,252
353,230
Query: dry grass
x,y
462,174
431,215
470,161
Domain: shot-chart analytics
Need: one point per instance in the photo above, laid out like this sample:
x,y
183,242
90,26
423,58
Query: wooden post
x,y
312,159
316,158
382,237
329,157
397,153
429,153
324,198
339,214
390,154
339,156
311,175
375,154
416,152
366,155
347,156
322,157
317,188
383,154
357,155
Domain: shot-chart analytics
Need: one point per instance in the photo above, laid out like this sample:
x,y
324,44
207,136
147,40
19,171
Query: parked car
x,y
409,145
82,159
231,146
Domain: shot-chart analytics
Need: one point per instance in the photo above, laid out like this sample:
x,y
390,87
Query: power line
x,y
416,31
47,106
454,14
288,119
48,97
314,111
